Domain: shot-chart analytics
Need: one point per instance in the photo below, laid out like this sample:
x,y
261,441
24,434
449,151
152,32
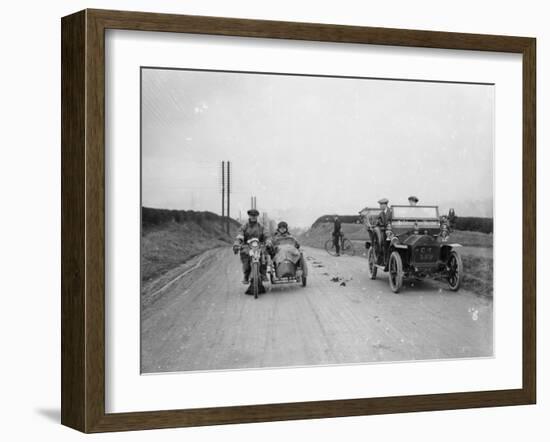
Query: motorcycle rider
x,y
252,229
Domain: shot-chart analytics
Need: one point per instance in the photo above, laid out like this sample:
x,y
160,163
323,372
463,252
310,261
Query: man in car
x,y
413,200
252,229
337,234
384,218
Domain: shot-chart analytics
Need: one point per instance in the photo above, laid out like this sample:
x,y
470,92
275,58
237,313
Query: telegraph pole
x,y
223,193
228,195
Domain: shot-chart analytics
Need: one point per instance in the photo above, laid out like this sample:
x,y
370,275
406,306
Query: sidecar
x,y
287,264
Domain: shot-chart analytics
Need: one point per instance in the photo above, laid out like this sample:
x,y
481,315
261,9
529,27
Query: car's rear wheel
x,y
371,257
396,272
454,271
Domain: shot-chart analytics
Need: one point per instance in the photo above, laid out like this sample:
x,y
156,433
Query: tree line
x,y
155,217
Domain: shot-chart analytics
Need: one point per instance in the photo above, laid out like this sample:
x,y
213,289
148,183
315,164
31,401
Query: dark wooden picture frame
x,y
83,220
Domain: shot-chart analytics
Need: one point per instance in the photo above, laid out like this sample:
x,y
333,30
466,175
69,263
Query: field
x,y
477,253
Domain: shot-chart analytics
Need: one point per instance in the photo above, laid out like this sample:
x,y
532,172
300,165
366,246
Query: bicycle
x,y
346,246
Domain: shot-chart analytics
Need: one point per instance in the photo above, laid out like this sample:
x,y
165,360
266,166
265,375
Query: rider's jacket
x,y
250,230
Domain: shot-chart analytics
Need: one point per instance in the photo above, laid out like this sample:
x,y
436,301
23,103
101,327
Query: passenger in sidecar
x,y
287,261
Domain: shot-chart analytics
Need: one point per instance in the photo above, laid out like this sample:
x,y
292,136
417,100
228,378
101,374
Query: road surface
x,y
197,317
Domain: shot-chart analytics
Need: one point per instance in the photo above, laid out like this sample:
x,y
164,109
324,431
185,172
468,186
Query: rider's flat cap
x,y
383,201
253,212
413,198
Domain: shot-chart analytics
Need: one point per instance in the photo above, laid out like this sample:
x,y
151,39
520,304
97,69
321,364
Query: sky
x,y
306,146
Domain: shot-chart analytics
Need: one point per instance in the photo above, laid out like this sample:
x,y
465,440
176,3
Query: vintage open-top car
x,y
415,245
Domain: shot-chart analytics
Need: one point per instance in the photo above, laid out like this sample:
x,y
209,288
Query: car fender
x,y
452,245
400,246
445,249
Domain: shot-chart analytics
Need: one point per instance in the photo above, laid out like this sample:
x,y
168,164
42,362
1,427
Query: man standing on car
x,y
413,201
380,229
252,229
337,234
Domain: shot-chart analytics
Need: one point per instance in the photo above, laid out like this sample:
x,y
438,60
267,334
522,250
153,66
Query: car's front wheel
x,y
396,272
454,271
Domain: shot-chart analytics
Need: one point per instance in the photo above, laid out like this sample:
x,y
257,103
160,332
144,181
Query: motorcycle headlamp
x,y
254,243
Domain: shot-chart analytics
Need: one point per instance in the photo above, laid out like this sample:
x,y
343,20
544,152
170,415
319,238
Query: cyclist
x,y
337,234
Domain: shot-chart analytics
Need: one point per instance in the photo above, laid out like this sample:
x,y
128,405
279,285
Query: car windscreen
x,y
414,212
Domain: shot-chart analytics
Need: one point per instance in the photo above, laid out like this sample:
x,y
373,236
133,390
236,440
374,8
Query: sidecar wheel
x,y
304,281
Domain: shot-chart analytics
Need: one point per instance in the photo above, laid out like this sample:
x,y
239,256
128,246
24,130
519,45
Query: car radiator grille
x,y
426,254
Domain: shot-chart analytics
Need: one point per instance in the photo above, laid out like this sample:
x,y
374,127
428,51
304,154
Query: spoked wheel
x,y
396,272
347,247
330,247
255,279
454,271
268,284
371,256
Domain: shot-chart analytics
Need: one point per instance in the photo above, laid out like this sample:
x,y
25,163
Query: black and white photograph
x,y
309,220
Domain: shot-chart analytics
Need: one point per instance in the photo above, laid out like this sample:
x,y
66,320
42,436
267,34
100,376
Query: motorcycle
x,y
257,259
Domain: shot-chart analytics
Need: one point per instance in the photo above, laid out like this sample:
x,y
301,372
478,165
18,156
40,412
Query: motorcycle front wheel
x,y
255,279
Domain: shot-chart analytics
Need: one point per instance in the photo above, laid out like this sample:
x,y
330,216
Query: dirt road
x,y
198,318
